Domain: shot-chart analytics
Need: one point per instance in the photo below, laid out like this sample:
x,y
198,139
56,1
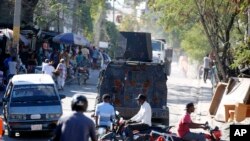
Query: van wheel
x,y
11,134
79,81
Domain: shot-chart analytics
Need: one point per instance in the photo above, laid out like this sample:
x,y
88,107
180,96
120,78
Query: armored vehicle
x,y
135,73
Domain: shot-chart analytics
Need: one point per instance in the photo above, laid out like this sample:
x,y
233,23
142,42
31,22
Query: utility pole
x,y
16,28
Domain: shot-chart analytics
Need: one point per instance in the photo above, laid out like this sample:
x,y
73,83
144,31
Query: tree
x,y
217,18
7,12
47,14
129,23
112,34
195,43
83,17
242,55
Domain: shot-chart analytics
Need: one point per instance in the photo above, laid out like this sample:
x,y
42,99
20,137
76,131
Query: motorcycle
x,y
214,133
110,134
102,132
118,131
82,75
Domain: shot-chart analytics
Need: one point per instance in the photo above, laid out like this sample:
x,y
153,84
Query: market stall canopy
x,y
71,39
9,34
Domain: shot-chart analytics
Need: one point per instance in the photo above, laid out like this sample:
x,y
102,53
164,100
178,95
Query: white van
x,y
31,103
162,54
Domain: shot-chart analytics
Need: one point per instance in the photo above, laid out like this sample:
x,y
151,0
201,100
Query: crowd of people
x,y
59,60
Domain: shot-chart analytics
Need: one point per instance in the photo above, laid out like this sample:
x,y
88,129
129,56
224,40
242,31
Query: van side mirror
x,y
62,96
117,112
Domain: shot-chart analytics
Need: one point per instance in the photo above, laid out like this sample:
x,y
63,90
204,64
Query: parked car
x,y
31,103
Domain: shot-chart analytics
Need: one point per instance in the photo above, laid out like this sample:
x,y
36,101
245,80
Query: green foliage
x,y
129,23
241,55
96,6
113,35
195,43
85,14
96,12
217,18
46,12
148,24
175,14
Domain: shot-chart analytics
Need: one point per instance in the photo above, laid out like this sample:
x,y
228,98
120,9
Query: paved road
x,y
181,90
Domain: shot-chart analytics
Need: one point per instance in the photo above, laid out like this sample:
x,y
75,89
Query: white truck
x,y
162,53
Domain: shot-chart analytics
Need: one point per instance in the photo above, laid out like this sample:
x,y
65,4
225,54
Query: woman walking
x,y
61,68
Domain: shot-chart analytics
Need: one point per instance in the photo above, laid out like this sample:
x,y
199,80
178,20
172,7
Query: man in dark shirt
x,y
76,126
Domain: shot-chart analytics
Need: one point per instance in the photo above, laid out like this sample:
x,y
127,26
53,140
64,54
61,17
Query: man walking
x,y
206,67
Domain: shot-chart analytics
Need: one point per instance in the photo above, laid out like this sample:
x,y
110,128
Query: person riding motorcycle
x,y
142,120
76,126
104,112
186,123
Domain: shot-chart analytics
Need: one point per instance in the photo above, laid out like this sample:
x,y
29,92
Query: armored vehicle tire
x,y
161,121
11,134
168,68
165,121
79,81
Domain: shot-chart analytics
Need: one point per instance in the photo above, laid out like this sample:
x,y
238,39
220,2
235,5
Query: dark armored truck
x,y
134,73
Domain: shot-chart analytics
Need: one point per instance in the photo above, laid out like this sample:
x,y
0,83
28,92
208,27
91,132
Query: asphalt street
x,y
181,90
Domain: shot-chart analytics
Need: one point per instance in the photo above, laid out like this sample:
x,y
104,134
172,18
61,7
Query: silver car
x,y
31,103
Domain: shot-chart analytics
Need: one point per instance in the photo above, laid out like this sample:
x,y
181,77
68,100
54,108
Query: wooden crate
x,y
240,112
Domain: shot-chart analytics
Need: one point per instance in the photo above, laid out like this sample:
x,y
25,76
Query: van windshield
x,y
26,93
156,46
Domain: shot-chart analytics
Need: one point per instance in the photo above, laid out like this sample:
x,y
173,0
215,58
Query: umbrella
x,y
9,34
70,38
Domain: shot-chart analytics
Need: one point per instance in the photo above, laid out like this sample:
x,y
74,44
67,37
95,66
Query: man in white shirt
x,y
104,112
48,68
12,67
206,66
45,63
142,120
